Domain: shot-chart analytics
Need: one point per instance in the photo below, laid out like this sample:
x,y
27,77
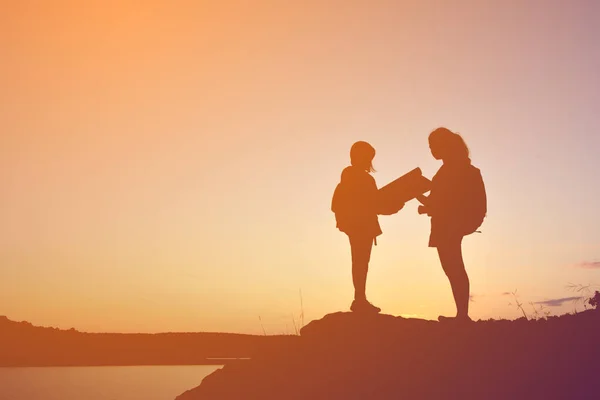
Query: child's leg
x,y
360,247
454,267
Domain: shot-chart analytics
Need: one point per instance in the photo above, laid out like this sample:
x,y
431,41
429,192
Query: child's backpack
x,y
340,205
475,201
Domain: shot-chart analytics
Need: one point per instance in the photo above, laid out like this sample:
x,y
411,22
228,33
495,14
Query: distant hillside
x,y
23,344
349,356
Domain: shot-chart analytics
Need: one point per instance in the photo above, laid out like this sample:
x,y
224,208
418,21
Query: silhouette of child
x,y
446,207
356,207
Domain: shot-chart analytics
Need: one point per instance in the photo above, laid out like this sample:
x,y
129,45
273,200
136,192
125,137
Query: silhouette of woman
x,y
356,206
449,207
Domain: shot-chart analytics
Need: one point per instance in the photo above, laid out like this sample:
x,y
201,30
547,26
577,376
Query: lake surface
x,y
100,383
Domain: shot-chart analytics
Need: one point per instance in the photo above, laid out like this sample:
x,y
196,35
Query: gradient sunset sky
x,y
169,166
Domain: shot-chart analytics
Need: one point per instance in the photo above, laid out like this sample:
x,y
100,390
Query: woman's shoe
x,y
458,320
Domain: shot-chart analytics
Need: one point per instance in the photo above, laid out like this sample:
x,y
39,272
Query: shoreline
x,y
209,363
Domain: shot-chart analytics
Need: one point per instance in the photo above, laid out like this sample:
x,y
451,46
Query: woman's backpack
x,y
475,201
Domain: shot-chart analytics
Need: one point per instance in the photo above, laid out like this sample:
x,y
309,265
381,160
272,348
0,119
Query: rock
x,y
350,356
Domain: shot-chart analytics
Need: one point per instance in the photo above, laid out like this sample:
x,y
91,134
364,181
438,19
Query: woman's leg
x,y
452,262
360,247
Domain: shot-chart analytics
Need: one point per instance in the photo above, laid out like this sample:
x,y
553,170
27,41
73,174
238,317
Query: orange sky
x,y
171,167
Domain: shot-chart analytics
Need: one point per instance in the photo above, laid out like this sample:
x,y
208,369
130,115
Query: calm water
x,y
100,383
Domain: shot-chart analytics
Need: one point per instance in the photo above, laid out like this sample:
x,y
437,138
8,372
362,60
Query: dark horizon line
x,y
74,330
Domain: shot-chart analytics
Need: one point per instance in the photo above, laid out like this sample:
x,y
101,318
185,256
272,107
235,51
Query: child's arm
x,y
384,209
390,211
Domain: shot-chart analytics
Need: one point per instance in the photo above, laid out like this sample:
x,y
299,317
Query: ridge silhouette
x,y
25,345
348,355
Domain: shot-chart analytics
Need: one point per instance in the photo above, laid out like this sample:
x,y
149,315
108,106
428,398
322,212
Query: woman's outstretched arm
x,y
423,199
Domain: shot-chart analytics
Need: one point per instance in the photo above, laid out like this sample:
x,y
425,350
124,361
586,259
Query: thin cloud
x,y
589,265
557,302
